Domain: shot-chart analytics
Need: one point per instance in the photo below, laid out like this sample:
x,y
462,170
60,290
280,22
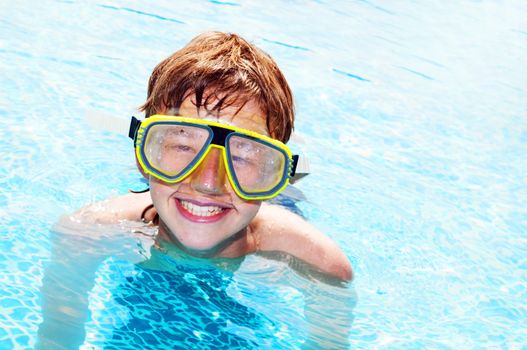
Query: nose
x,y
209,177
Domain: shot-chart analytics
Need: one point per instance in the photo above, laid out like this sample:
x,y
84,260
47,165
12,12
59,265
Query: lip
x,y
202,201
201,219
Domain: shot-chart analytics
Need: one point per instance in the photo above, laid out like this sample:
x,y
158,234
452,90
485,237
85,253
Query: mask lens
x,y
173,149
258,166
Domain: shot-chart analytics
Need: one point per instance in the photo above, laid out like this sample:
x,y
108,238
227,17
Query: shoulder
x,y
274,218
112,210
278,229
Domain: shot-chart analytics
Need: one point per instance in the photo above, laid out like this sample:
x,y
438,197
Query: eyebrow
x,y
180,131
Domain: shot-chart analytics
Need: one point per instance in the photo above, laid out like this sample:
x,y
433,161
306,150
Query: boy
x,y
211,149
218,112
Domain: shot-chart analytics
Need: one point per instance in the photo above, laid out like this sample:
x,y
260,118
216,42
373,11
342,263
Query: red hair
x,y
222,69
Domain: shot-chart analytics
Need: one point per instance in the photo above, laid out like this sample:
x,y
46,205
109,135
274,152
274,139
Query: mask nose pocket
x,y
210,175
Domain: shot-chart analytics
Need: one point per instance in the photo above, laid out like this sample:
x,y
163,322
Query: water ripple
x,y
127,9
286,45
354,76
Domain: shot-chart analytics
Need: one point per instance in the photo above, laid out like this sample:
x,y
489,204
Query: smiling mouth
x,y
198,210
200,213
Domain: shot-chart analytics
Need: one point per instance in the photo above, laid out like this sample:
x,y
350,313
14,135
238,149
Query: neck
x,y
235,246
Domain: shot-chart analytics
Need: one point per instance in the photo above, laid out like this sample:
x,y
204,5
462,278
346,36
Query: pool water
x,y
416,129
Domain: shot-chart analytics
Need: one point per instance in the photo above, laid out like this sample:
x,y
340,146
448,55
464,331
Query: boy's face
x,y
203,211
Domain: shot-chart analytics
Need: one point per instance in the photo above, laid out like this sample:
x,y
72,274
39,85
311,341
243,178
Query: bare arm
x,y
68,278
112,210
277,229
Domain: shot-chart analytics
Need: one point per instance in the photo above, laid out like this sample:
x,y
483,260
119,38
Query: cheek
x,y
249,209
160,191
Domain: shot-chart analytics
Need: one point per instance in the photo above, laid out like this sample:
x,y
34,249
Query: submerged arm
x,y
79,244
68,277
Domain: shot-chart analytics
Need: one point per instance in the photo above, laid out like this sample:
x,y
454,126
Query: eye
x,y
241,160
178,147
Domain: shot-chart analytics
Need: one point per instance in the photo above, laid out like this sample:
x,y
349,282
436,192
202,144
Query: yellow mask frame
x,y
219,135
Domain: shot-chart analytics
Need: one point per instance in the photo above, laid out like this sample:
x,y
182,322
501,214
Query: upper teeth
x,y
199,210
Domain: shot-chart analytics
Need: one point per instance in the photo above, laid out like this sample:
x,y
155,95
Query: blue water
x,y
416,127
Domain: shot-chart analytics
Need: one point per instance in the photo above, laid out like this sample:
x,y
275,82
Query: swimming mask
x,y
171,147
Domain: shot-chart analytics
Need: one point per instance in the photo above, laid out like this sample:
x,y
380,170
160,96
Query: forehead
x,y
249,116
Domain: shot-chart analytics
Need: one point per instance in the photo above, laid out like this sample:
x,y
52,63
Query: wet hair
x,y
221,70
